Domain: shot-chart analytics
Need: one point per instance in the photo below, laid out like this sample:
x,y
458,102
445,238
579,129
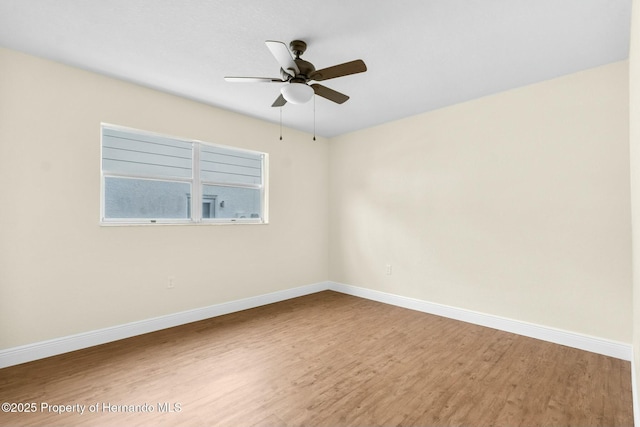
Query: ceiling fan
x,y
297,73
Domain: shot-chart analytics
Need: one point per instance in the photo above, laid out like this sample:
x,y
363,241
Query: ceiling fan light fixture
x,y
297,93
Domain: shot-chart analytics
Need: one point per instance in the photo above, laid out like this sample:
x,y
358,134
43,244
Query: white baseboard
x,y
42,349
571,339
634,393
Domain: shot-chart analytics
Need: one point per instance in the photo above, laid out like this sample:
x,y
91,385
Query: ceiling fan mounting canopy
x,y
297,73
297,47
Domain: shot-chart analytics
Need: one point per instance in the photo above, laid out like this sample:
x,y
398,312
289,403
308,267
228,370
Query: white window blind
x,y
219,165
139,154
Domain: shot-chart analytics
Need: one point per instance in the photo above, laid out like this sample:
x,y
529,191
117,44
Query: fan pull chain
x,y
280,123
314,118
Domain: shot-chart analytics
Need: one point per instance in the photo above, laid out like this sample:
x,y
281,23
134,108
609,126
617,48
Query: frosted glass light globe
x,y
297,93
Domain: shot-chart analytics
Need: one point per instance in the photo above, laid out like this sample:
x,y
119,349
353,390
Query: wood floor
x,y
325,359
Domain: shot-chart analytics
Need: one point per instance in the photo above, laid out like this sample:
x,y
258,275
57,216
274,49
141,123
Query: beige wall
x,y
61,273
516,205
634,137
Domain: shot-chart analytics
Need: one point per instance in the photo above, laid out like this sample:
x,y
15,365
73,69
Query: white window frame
x,y
196,195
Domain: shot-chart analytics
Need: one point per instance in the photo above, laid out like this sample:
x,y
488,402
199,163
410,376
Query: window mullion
x,y
196,186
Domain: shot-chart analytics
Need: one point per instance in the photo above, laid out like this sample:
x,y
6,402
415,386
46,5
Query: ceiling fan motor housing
x,y
298,47
306,69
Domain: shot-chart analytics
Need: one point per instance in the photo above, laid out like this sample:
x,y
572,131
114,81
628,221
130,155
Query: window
x,y
149,178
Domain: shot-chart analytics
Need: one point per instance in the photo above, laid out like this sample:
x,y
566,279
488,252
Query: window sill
x,y
178,223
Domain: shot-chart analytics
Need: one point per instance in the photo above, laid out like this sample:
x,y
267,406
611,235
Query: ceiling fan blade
x,y
253,80
279,102
330,94
352,67
280,51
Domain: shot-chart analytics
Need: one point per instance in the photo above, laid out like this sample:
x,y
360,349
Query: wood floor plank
x,y
326,359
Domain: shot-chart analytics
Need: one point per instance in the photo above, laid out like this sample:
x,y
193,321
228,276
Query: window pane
x,y
142,198
232,202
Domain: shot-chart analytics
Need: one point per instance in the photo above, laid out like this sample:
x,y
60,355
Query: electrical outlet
x,y
389,269
170,282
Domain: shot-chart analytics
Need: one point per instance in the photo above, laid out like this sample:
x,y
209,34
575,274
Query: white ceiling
x,y
421,54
